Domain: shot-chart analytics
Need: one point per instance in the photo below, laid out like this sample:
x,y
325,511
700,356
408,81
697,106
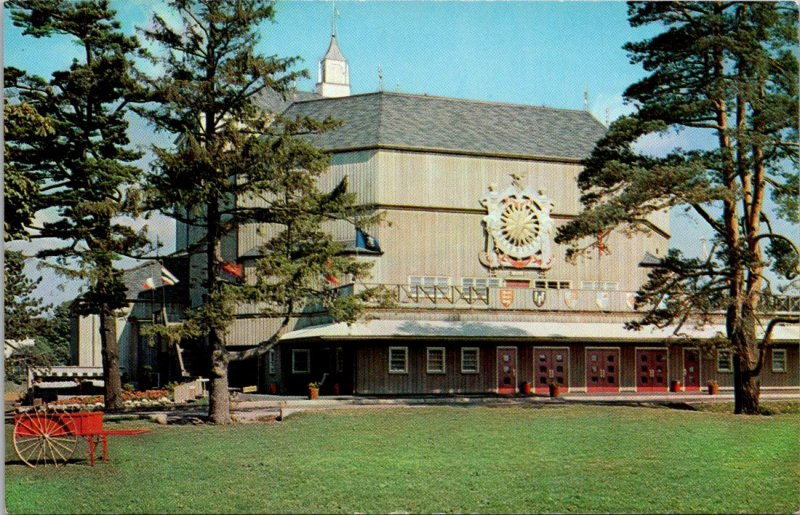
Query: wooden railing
x,y
448,297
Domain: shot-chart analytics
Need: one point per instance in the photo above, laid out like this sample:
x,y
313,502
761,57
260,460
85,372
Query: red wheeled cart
x,y
50,437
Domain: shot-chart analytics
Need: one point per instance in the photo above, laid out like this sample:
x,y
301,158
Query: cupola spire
x,y
333,77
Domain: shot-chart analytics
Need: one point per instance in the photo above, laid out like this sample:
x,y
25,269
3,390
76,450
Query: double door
x,y
550,365
602,370
651,370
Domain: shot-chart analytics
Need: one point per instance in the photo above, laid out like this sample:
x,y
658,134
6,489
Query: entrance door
x,y
550,365
651,370
506,370
691,370
602,370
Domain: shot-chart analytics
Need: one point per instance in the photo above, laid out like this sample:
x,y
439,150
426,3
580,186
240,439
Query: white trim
x,y
308,361
428,360
700,382
405,364
477,360
772,361
569,368
730,361
497,374
619,367
636,366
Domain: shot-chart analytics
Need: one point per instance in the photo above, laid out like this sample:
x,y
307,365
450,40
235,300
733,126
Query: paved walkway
x,y
258,407
253,407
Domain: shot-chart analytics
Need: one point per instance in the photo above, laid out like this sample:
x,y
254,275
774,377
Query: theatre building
x,y
485,300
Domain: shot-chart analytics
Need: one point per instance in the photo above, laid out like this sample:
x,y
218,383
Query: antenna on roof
x,y
380,79
397,87
586,99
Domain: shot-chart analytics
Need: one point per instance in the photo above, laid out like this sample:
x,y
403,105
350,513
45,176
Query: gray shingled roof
x,y
399,120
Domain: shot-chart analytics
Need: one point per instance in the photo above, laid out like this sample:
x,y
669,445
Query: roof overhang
x,y
584,332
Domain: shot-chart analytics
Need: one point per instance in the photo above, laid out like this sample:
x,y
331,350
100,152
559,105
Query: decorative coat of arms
x,y
506,297
518,226
539,297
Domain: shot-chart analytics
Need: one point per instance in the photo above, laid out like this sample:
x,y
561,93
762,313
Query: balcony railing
x,y
455,297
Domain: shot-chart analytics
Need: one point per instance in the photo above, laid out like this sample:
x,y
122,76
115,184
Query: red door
x,y
550,365
602,370
506,370
691,370
651,370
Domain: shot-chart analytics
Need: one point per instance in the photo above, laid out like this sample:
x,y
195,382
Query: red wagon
x,y
51,437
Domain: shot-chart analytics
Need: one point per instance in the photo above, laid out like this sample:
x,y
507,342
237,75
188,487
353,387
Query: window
x,y
272,361
301,361
481,282
436,360
779,360
724,361
599,285
469,360
339,360
552,285
426,283
398,360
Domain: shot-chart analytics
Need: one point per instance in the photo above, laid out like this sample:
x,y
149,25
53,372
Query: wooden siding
x,y
368,362
437,243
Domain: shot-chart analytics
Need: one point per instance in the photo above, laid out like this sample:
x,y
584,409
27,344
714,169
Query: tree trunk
x,y
219,401
742,334
748,394
110,354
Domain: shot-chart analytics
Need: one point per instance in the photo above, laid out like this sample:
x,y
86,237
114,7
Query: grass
x,y
444,459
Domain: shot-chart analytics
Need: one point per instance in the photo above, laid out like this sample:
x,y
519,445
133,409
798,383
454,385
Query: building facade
x,y
484,299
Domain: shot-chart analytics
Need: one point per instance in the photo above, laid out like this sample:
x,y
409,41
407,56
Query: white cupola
x,y
333,76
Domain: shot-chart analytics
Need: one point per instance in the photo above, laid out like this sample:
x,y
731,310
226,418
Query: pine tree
x,y
728,70
79,168
234,165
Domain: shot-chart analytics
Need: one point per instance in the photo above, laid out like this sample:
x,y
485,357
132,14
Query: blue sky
x,y
540,53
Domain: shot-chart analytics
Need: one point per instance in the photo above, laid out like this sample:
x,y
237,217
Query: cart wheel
x,y
44,438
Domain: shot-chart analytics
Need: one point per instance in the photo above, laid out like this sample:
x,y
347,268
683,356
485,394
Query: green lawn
x,y
446,459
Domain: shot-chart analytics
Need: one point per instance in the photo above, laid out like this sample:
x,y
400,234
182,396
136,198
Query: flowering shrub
x,y
136,399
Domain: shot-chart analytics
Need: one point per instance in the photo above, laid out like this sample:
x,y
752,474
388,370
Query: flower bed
x,y
141,399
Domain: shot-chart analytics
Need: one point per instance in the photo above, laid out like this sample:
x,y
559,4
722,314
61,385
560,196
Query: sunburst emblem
x,y
518,226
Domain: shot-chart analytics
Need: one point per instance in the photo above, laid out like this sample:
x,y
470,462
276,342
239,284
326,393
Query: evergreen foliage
x,y
78,161
25,318
235,165
728,72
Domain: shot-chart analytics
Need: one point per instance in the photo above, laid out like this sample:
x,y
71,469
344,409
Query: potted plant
x,y
313,390
713,387
555,389
675,386
527,388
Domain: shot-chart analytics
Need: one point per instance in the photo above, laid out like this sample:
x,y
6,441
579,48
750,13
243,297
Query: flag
x,y
149,284
167,278
365,241
234,269
330,276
